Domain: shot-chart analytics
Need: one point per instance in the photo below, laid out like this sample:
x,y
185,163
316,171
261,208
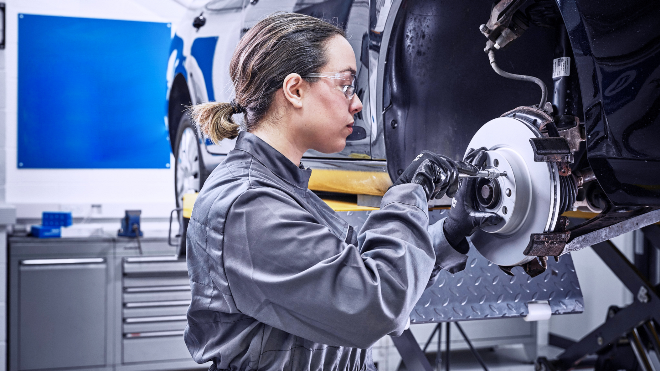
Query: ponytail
x,y
215,119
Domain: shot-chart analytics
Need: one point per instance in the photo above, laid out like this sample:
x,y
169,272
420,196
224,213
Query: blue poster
x,y
91,93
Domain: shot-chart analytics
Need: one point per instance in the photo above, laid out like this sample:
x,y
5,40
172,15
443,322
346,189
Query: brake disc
x,y
527,198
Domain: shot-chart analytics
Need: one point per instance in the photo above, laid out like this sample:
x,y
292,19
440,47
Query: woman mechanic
x,y
279,281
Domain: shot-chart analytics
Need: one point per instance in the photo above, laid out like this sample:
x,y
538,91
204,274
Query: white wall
x,y
33,191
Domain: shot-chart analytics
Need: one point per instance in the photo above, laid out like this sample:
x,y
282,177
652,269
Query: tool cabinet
x,y
97,304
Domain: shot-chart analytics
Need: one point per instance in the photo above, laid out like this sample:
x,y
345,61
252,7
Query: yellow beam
x,y
188,203
347,206
352,182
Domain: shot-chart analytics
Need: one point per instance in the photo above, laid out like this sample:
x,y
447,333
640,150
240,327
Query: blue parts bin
x,y
43,231
51,223
56,218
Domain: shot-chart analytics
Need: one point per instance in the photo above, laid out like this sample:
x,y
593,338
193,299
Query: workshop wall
x,y
76,185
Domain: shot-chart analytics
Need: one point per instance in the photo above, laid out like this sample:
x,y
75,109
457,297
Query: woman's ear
x,y
294,89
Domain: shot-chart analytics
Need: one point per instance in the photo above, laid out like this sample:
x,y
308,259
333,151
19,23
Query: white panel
x,y
33,190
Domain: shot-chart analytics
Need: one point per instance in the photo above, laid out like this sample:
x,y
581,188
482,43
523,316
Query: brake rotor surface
x,y
527,198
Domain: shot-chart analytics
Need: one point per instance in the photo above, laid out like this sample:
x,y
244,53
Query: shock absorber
x,y
565,99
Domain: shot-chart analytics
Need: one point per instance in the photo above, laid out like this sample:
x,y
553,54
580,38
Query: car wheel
x,y
189,165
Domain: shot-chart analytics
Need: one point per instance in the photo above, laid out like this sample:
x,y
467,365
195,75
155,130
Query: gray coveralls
x,y
280,282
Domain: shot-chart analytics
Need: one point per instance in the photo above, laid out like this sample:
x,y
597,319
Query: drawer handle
x,y
158,288
153,259
153,334
62,261
157,303
155,319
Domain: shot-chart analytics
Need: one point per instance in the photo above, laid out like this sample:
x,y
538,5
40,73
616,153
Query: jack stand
x,y
637,323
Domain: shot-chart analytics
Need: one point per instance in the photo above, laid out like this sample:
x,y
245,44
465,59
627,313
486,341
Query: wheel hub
x,y
526,198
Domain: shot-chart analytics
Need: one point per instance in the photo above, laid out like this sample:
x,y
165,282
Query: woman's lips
x,y
350,127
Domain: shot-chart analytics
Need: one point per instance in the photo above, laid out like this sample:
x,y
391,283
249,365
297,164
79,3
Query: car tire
x,y
189,169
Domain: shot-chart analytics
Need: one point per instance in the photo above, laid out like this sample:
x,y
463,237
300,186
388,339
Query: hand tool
x,y
490,174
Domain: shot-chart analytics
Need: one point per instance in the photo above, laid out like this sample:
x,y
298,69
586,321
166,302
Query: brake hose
x,y
536,80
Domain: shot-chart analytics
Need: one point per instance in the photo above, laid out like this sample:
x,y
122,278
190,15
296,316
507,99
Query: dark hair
x,y
278,45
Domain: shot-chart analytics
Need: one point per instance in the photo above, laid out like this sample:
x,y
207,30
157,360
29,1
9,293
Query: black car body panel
x,y
617,54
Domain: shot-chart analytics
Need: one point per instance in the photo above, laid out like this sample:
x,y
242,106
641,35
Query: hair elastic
x,y
236,108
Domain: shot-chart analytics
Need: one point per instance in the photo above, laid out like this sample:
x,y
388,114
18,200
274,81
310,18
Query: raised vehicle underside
x,y
587,142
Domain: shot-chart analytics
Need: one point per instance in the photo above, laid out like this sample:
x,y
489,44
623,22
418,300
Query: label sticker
x,y
561,67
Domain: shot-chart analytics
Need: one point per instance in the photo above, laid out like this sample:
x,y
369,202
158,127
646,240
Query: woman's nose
x,y
356,105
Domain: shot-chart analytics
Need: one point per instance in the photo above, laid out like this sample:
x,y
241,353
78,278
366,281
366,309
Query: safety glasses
x,y
346,80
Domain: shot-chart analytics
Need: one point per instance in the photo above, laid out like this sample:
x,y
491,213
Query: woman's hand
x,y
437,174
464,217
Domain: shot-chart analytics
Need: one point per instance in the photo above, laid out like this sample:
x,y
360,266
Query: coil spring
x,y
568,193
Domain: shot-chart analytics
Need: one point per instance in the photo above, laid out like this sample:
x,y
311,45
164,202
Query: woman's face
x,y
327,112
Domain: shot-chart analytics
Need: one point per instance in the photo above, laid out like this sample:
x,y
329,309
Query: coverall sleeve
x,y
287,270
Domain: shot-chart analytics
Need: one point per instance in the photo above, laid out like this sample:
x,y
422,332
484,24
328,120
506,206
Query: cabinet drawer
x,y
142,265
156,281
180,310
157,296
152,349
61,313
140,327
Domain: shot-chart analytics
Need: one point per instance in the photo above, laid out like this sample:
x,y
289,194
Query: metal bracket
x,y
610,223
506,24
550,243
551,150
547,244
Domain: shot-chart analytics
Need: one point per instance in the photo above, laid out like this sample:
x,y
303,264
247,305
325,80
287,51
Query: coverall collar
x,y
271,158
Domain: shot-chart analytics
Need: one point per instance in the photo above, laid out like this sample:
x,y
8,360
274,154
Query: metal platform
x,y
484,291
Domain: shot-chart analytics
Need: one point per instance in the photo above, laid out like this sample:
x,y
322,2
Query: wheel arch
x,y
436,87
179,99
